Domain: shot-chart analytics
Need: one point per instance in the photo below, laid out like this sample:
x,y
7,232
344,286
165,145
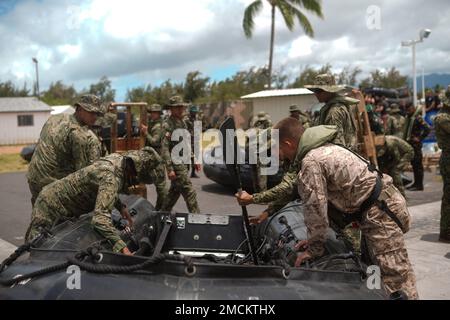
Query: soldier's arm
x,y
337,117
282,189
407,153
444,124
107,198
165,149
312,189
85,149
154,136
425,128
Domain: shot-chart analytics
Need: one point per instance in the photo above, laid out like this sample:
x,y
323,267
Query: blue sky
x,y
141,42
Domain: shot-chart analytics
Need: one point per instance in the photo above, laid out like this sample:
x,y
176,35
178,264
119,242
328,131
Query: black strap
x,y
162,238
382,205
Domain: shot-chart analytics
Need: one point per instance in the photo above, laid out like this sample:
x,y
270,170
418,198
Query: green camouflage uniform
x,y
154,138
442,125
393,156
182,184
64,146
395,125
190,122
416,127
94,188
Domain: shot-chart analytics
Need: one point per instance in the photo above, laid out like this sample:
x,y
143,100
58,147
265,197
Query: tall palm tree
x,y
290,11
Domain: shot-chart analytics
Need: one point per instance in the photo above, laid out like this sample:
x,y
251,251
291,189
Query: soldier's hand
x,y
244,198
259,218
302,257
144,128
126,251
172,175
301,245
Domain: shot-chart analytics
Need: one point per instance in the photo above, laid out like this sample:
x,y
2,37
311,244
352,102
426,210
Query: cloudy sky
x,y
136,42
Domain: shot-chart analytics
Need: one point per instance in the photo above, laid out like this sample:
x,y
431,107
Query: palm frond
x,y
314,6
304,22
287,13
250,13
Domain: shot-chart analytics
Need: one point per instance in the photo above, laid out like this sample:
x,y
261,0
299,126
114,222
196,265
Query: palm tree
x,y
290,11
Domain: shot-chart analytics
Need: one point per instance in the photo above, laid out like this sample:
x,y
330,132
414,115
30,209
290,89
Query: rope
x,y
15,255
79,260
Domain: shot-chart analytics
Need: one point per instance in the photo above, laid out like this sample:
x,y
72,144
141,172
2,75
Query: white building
x,y
276,102
21,119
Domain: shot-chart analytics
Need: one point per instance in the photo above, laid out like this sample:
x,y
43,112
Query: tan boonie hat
x,y
395,108
154,108
262,116
294,108
326,82
91,103
177,101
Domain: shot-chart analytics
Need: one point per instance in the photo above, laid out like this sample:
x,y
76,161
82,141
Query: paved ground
x,y
431,259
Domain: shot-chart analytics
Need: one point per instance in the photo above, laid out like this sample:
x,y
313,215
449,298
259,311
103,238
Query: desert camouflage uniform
x,y
93,188
181,185
332,175
393,156
154,139
64,147
442,125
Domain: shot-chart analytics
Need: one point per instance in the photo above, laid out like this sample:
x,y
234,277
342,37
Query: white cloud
x,y
301,47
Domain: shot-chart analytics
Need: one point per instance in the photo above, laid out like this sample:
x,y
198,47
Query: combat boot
x,y
444,236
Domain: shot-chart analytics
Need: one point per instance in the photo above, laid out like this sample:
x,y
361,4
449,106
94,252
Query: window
x,y
25,120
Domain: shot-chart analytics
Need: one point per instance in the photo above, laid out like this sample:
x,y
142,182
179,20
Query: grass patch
x,y
12,163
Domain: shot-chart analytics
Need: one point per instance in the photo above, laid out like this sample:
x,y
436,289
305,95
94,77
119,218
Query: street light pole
x,y
424,33
37,76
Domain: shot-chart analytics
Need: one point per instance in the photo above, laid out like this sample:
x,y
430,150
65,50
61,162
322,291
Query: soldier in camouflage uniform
x,y
416,131
333,176
442,125
262,121
393,156
337,109
177,173
154,135
94,188
66,144
190,121
300,115
395,125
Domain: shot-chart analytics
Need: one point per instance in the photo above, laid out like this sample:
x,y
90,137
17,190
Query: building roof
x,y
23,104
278,93
67,109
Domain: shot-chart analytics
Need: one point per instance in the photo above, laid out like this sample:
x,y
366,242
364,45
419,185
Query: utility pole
x,y
37,77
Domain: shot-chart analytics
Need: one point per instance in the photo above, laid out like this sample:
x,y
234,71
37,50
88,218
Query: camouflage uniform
x,y
181,185
337,111
395,125
334,176
259,180
64,146
93,188
154,138
442,125
416,127
190,122
393,156
304,118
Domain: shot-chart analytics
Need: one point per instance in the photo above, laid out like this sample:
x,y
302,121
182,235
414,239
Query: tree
x,y
59,94
290,11
8,89
194,86
348,75
103,90
391,79
308,75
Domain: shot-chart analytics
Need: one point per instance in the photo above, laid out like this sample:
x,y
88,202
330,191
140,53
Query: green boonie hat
x,y
325,82
144,162
395,108
294,108
154,108
193,109
262,116
176,101
91,103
